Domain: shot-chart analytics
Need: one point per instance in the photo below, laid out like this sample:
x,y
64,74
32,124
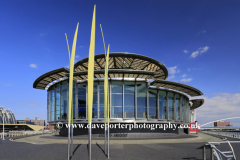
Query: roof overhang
x,y
42,81
196,103
177,86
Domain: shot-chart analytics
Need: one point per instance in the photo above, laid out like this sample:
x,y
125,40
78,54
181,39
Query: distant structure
x,y
35,121
221,124
9,117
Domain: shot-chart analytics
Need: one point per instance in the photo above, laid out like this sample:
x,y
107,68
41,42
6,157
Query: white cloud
x,y
185,51
203,31
194,54
204,49
8,84
199,51
33,65
184,75
189,69
186,80
223,105
172,71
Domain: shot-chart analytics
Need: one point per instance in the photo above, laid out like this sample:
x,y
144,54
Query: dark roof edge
x,y
48,74
177,84
196,100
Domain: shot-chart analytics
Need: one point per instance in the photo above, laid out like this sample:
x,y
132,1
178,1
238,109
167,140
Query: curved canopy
x,y
177,86
42,81
125,61
197,103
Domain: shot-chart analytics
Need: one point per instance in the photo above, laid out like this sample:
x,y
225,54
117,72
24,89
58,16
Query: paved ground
x,y
51,149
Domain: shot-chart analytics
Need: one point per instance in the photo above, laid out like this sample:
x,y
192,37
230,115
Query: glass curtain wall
x,y
129,99
95,101
74,99
49,105
141,99
81,100
124,97
64,104
52,103
116,99
152,94
177,107
182,107
101,99
170,105
57,102
162,105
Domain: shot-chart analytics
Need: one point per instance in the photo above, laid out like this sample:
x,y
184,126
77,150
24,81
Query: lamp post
x,y
3,112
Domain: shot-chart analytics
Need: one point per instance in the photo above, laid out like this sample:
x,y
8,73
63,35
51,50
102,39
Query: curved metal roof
x,y
125,61
196,103
177,86
42,81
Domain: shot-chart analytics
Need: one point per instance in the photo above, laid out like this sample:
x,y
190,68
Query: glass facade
x,y
162,104
141,99
152,96
127,100
170,105
177,102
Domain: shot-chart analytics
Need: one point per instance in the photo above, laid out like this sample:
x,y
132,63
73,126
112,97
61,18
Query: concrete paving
x,y
154,149
77,140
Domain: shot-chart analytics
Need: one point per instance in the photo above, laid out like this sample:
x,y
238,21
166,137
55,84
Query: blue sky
x,y
197,40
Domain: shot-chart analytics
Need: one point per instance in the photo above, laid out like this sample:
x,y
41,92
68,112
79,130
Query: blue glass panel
x,y
129,99
116,99
152,103
141,100
64,100
162,104
177,107
170,105
82,100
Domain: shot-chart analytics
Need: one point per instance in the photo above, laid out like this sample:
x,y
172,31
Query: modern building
x,y
35,121
221,124
9,117
139,92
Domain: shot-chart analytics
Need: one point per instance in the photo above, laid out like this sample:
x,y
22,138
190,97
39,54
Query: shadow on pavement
x,y
101,149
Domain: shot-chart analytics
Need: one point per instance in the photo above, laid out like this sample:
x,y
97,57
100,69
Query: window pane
x,y
170,105
152,103
64,100
162,104
101,98
129,99
49,105
81,100
52,104
116,99
182,106
177,107
57,102
141,100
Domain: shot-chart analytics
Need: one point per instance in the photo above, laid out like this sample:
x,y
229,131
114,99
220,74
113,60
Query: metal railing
x,y
224,133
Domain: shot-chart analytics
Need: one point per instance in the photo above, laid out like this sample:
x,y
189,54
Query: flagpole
x,y
91,79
